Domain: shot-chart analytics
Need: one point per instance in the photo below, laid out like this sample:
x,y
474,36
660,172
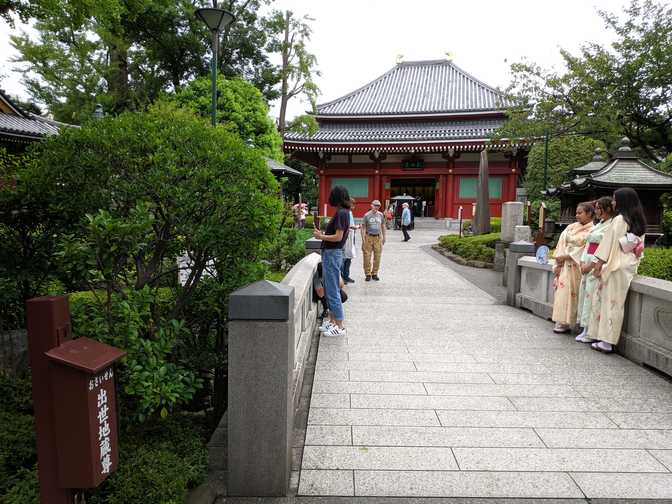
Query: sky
x,y
356,41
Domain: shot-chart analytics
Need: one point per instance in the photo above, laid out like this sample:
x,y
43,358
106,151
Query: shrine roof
x,y
398,131
626,169
594,165
418,87
14,122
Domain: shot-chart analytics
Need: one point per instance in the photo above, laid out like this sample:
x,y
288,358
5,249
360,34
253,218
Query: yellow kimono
x,y
606,318
571,242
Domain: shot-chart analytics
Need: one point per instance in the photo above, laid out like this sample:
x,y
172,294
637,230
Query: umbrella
x,y
403,198
482,217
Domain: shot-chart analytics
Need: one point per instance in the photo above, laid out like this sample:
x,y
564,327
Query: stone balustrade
x,y
647,328
270,330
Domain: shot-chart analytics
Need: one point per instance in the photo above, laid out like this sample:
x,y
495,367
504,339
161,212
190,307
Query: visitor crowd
x,y
594,265
339,249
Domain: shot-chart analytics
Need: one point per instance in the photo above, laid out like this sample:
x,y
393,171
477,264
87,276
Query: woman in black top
x,y
333,240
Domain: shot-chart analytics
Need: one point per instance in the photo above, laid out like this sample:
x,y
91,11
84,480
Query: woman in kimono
x,y
566,269
604,210
617,259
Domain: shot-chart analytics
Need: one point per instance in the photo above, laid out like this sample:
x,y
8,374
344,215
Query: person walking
x,y
566,269
405,221
618,257
373,239
349,249
604,210
333,240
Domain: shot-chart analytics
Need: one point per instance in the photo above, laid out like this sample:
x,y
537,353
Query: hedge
x,y
475,248
657,263
495,225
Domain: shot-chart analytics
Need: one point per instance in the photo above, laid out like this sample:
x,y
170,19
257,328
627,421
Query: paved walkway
x,y
439,391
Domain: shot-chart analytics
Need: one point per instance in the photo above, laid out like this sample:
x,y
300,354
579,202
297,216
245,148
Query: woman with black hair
x,y
333,240
588,295
617,259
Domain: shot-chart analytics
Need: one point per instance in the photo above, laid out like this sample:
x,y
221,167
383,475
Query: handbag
x,y
630,242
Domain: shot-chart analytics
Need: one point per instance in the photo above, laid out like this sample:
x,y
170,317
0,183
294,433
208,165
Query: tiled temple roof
x,y
399,131
594,165
418,87
32,126
626,169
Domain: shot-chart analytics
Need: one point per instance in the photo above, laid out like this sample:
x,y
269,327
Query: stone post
x,y
516,251
260,413
312,245
512,216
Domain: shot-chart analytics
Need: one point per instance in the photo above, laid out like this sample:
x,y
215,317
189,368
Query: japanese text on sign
x,y
104,432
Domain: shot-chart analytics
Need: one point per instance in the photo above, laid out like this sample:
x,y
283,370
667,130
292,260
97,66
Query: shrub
x,y
657,263
474,248
158,462
495,225
24,489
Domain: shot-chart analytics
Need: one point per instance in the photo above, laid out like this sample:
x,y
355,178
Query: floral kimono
x,y
606,318
571,242
589,283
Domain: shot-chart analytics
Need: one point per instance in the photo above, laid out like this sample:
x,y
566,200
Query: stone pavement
x,y
440,391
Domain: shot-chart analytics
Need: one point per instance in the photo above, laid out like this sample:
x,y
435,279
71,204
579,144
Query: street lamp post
x,y
215,19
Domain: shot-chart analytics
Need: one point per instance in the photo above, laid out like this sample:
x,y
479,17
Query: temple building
x,y
417,130
19,128
600,177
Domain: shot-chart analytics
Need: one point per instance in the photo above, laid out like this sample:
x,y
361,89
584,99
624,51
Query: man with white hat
x,y
373,239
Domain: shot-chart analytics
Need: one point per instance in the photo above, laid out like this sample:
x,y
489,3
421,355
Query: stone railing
x,y
647,327
270,330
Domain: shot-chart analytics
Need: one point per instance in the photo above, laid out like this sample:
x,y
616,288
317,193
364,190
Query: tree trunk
x,y
284,98
118,82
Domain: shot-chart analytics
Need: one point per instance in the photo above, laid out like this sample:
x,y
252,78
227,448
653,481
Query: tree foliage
x,y
133,193
241,109
297,70
606,92
125,54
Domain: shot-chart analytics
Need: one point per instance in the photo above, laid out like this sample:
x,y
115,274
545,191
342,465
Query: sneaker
x,y
335,331
326,325
368,278
375,277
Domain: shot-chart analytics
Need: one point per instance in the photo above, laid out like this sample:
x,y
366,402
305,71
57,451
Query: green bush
x,y
158,463
24,488
474,248
666,239
495,225
657,263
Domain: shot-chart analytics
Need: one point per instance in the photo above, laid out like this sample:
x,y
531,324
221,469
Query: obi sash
x,y
592,248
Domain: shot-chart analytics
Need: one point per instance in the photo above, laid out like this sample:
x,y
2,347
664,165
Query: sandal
x,y
598,346
560,329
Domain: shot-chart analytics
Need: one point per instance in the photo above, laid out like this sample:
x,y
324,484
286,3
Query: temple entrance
x,y
422,189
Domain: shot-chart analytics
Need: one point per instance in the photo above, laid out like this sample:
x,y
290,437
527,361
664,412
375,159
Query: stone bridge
x,y
441,390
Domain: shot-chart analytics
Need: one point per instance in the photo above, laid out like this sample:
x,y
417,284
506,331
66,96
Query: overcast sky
x,y
355,41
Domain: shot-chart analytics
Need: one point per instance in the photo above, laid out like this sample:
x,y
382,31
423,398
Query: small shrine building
x,y
600,178
417,130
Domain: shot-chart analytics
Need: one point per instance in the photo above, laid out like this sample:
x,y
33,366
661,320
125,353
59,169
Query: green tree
x,y
564,154
297,69
125,54
606,92
241,109
138,191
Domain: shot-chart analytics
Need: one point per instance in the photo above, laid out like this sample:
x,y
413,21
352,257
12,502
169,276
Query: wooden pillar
x,y
377,157
451,190
441,203
323,198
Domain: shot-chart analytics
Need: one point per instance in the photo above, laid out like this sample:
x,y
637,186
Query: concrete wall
x,y
270,329
647,328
